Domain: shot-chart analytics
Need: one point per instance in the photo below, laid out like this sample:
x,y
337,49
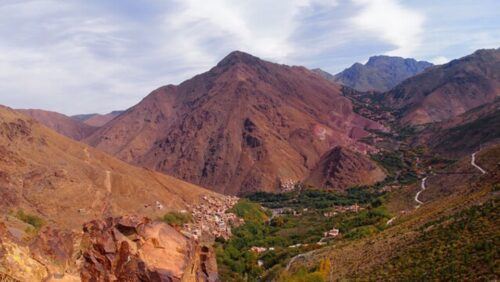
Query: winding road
x,y
303,255
422,188
473,163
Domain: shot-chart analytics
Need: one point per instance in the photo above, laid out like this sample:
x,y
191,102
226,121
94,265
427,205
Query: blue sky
x,y
85,56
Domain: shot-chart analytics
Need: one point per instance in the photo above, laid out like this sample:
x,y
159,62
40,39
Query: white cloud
x,y
392,22
260,27
92,56
439,60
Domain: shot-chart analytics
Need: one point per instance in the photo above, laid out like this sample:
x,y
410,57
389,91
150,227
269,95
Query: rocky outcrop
x,y
127,248
136,249
57,250
16,262
341,168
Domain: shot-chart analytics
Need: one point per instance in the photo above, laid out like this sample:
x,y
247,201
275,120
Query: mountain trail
x,y
473,163
107,181
422,188
87,155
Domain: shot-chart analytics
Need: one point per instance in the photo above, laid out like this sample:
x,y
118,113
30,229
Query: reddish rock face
x,y
446,91
245,125
55,249
133,249
341,168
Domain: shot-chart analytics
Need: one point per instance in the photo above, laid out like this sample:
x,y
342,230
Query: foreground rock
x,y
128,248
16,263
137,249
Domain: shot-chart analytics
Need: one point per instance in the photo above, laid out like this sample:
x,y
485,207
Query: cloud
x,y
392,22
439,60
96,56
260,27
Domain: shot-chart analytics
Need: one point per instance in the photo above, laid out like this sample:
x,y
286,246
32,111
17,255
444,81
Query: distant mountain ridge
x,y
62,124
97,120
380,73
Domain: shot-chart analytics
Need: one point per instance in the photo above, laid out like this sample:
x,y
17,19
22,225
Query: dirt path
x,y
299,256
390,221
87,154
107,181
422,188
473,163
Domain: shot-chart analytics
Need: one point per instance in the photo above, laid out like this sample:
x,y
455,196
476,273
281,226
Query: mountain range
x,y
389,170
445,91
246,125
380,73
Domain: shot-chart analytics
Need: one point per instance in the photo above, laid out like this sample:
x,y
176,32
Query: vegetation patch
x,y
261,248
30,219
249,211
461,247
177,218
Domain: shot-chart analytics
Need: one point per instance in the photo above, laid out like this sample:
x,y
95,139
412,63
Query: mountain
x,y
448,90
340,168
245,125
60,123
380,73
69,183
97,120
465,133
53,187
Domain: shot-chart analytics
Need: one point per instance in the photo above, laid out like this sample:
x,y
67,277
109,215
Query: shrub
x,y
177,218
30,219
249,211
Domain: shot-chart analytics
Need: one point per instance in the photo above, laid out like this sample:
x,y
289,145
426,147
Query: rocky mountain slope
x,y
448,90
243,126
463,134
61,123
69,183
51,186
380,73
97,120
340,168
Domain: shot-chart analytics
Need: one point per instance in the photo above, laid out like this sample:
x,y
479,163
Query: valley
x,y
258,171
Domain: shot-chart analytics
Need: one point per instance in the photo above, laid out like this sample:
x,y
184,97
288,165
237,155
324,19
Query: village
x,y
211,219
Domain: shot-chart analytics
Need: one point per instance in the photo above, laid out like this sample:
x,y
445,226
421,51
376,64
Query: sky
x,y
95,56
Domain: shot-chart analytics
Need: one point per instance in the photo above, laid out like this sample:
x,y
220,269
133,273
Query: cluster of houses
x,y
210,218
342,209
287,185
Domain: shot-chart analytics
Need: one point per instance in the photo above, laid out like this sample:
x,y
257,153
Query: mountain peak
x,y
236,57
381,73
